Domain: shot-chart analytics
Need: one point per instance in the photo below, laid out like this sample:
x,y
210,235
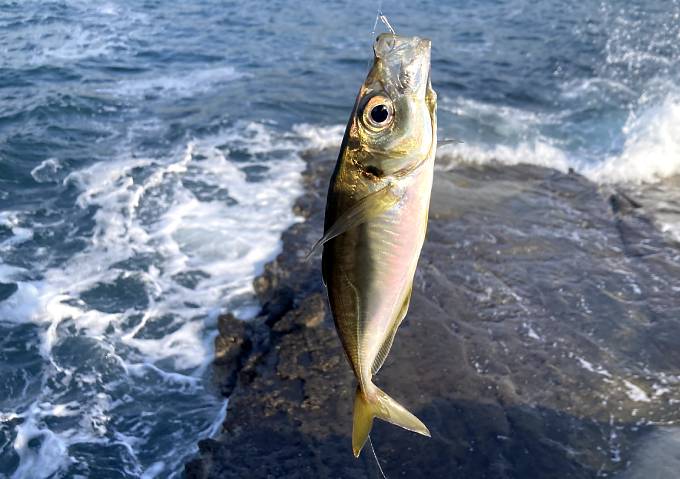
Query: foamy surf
x,y
187,84
644,155
650,139
178,240
651,146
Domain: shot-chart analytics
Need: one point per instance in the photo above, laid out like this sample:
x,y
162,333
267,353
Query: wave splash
x,y
619,122
122,332
651,150
649,139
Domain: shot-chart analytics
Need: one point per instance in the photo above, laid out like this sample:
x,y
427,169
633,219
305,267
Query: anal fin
x,y
387,344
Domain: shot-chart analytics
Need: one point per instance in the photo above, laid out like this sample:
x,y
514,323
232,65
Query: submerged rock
x,y
542,341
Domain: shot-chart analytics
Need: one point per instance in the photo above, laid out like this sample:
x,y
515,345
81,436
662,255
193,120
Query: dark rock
x,y
539,342
232,346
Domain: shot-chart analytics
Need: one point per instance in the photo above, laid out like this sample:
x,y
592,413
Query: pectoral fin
x,y
363,210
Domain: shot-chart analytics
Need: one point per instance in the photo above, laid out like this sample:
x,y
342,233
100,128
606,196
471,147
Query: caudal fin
x,y
384,407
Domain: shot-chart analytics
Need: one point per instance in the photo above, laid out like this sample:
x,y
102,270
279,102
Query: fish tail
x,y
380,405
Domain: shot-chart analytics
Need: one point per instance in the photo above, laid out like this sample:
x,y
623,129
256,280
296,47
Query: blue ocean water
x,y
150,155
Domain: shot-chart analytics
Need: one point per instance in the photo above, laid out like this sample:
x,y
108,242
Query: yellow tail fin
x,y
384,407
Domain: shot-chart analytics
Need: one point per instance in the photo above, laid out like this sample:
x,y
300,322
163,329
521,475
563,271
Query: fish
x,y
376,218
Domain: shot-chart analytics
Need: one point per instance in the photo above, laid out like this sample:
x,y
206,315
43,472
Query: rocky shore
x,y
543,341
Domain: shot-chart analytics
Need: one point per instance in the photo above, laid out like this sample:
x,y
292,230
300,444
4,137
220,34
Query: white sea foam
x,y
208,223
618,124
499,133
672,229
47,171
320,137
9,219
595,89
537,152
650,139
643,151
58,40
651,149
48,458
502,120
188,84
70,43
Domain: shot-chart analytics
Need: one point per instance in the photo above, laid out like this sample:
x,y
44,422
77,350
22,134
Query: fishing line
x,y
376,457
378,14
386,22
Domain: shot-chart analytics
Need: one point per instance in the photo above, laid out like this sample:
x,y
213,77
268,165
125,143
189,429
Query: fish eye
x,y
378,113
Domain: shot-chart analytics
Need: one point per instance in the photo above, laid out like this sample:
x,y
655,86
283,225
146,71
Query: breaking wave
x,y
174,242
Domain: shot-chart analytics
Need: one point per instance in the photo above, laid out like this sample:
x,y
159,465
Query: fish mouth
x,y
404,63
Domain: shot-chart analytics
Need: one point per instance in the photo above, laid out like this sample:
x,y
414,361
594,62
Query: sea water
x,y
150,153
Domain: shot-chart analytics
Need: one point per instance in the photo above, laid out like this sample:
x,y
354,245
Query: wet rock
x,y
542,341
232,345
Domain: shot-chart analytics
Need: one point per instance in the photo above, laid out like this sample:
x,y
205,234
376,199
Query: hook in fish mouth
x,y
404,61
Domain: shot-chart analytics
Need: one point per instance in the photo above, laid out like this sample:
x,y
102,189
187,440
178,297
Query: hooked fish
x,y
376,218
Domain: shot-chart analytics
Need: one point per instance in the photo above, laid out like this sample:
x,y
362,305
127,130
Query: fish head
x,y
393,126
